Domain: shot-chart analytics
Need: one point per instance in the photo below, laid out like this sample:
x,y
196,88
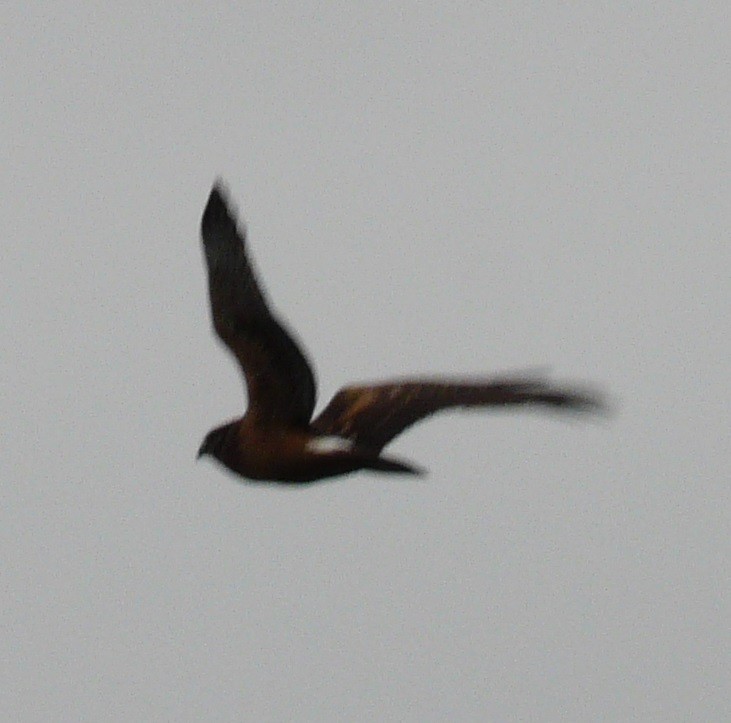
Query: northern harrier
x,y
277,439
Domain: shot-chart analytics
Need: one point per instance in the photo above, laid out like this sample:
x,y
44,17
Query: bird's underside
x,y
277,439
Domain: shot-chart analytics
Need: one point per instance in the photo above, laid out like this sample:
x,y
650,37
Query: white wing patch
x,y
329,444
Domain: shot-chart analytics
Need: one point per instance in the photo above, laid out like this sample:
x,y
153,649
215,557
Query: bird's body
x,y
280,454
277,439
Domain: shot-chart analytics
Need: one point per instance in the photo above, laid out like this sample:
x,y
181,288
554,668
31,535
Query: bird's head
x,y
215,442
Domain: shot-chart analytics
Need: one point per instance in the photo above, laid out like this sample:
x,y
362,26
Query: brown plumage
x,y
277,439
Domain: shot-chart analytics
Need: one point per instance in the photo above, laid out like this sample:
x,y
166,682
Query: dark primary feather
x,y
280,382
373,415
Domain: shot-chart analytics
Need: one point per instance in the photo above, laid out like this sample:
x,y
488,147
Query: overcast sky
x,y
428,188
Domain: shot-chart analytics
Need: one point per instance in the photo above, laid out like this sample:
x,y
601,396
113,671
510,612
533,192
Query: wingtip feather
x,y
217,209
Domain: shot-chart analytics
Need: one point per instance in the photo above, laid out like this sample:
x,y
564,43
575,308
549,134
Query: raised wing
x,y
373,415
280,382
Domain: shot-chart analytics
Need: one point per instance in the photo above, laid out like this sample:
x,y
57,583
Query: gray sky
x,y
427,189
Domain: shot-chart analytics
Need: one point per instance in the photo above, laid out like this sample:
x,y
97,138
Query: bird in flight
x,y
277,439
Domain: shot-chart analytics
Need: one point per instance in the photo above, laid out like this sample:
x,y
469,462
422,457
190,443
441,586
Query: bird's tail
x,y
386,464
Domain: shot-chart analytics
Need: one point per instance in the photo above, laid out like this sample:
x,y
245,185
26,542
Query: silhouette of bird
x,y
277,440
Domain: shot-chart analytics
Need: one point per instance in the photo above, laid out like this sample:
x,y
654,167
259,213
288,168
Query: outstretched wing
x,y
373,415
280,382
